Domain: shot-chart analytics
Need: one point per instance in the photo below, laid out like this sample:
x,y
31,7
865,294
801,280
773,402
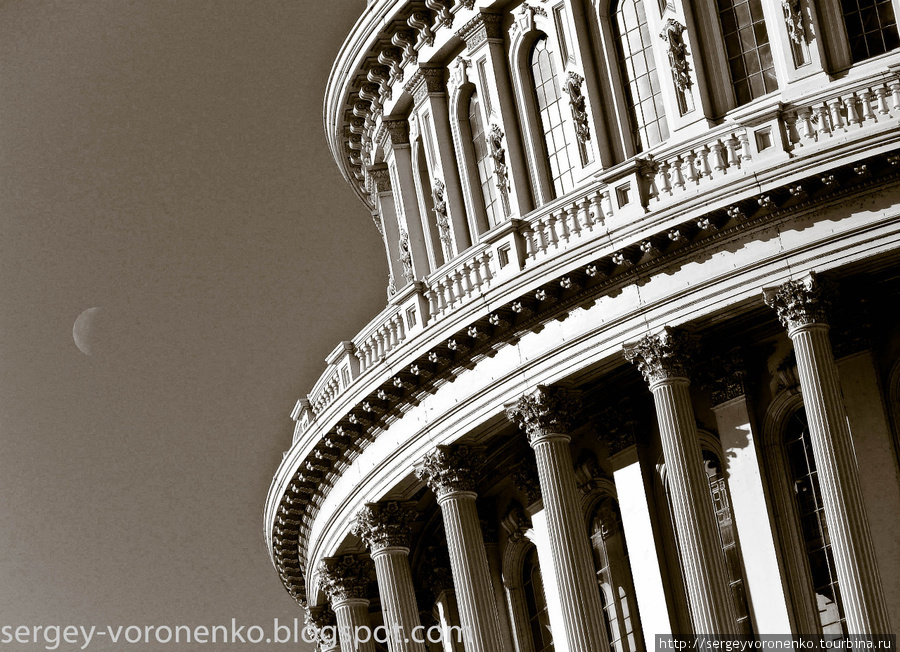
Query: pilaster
x,y
546,416
663,361
802,307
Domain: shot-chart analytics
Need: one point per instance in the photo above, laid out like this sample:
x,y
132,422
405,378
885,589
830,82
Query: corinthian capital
x,y
544,411
448,469
661,356
799,303
344,578
384,525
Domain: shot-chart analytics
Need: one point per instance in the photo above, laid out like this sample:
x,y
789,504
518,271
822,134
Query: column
x,y
546,414
385,528
451,473
662,360
766,587
429,91
801,307
345,580
322,621
413,251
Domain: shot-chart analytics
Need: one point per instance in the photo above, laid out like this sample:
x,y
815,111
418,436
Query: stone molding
x,y
450,469
661,356
801,302
481,28
426,81
544,411
344,578
385,525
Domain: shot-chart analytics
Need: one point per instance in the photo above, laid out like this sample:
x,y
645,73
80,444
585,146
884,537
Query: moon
x,y
83,332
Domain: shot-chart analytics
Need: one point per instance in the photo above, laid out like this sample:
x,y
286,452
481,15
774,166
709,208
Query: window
x,y
550,108
728,538
537,604
646,112
614,579
747,46
871,27
813,527
492,204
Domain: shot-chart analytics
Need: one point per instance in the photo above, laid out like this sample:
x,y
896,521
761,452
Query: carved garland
x,y
677,51
578,105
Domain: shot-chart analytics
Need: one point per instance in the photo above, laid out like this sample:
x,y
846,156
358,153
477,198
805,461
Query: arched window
x,y
643,93
814,529
871,27
616,585
536,604
747,46
426,205
728,539
489,194
561,155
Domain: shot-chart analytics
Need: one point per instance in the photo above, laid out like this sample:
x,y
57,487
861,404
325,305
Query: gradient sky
x,y
164,160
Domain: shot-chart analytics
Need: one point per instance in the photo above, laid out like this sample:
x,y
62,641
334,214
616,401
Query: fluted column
x,y
801,307
345,580
662,360
451,472
545,415
385,529
323,622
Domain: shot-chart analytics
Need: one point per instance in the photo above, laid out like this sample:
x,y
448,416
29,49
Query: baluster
x,y
806,128
837,119
865,99
530,249
460,290
552,237
487,274
718,151
852,114
677,175
431,296
575,227
895,94
401,328
692,171
746,154
705,170
664,177
542,234
597,216
607,204
824,127
467,279
731,146
881,92
586,221
476,272
446,295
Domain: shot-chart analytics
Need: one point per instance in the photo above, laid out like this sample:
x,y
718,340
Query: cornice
x,y
314,476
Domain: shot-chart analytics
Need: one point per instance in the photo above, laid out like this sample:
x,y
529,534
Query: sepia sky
x,y
164,160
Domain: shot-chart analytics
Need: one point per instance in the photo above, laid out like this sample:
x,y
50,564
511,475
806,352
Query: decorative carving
x,y
481,28
677,51
381,75
545,410
515,523
524,19
406,41
406,256
391,286
525,477
392,57
459,73
386,524
440,214
397,131
344,578
498,155
788,375
448,469
660,357
793,18
616,425
578,105
322,623
421,22
588,474
799,303
425,81
723,376
442,9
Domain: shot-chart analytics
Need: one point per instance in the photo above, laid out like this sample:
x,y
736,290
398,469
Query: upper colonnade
x,y
551,181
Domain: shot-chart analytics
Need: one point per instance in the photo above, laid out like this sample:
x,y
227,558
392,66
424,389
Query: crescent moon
x,y
82,331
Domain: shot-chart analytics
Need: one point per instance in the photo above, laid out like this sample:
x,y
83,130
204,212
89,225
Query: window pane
x,y
484,163
747,45
549,102
871,29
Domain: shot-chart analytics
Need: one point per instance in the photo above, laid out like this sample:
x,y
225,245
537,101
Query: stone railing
x,y
455,283
383,334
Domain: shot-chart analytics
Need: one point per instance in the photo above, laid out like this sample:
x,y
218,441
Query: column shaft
x,y
845,511
398,597
471,575
352,616
703,563
574,568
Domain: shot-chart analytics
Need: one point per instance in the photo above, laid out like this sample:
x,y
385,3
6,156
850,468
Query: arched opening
x,y
536,604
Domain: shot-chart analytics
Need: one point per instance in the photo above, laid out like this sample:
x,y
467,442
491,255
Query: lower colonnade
x,y
626,512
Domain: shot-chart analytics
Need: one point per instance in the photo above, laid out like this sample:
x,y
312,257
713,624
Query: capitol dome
x,y
638,373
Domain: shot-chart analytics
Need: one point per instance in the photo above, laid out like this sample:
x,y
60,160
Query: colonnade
x,y
545,414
